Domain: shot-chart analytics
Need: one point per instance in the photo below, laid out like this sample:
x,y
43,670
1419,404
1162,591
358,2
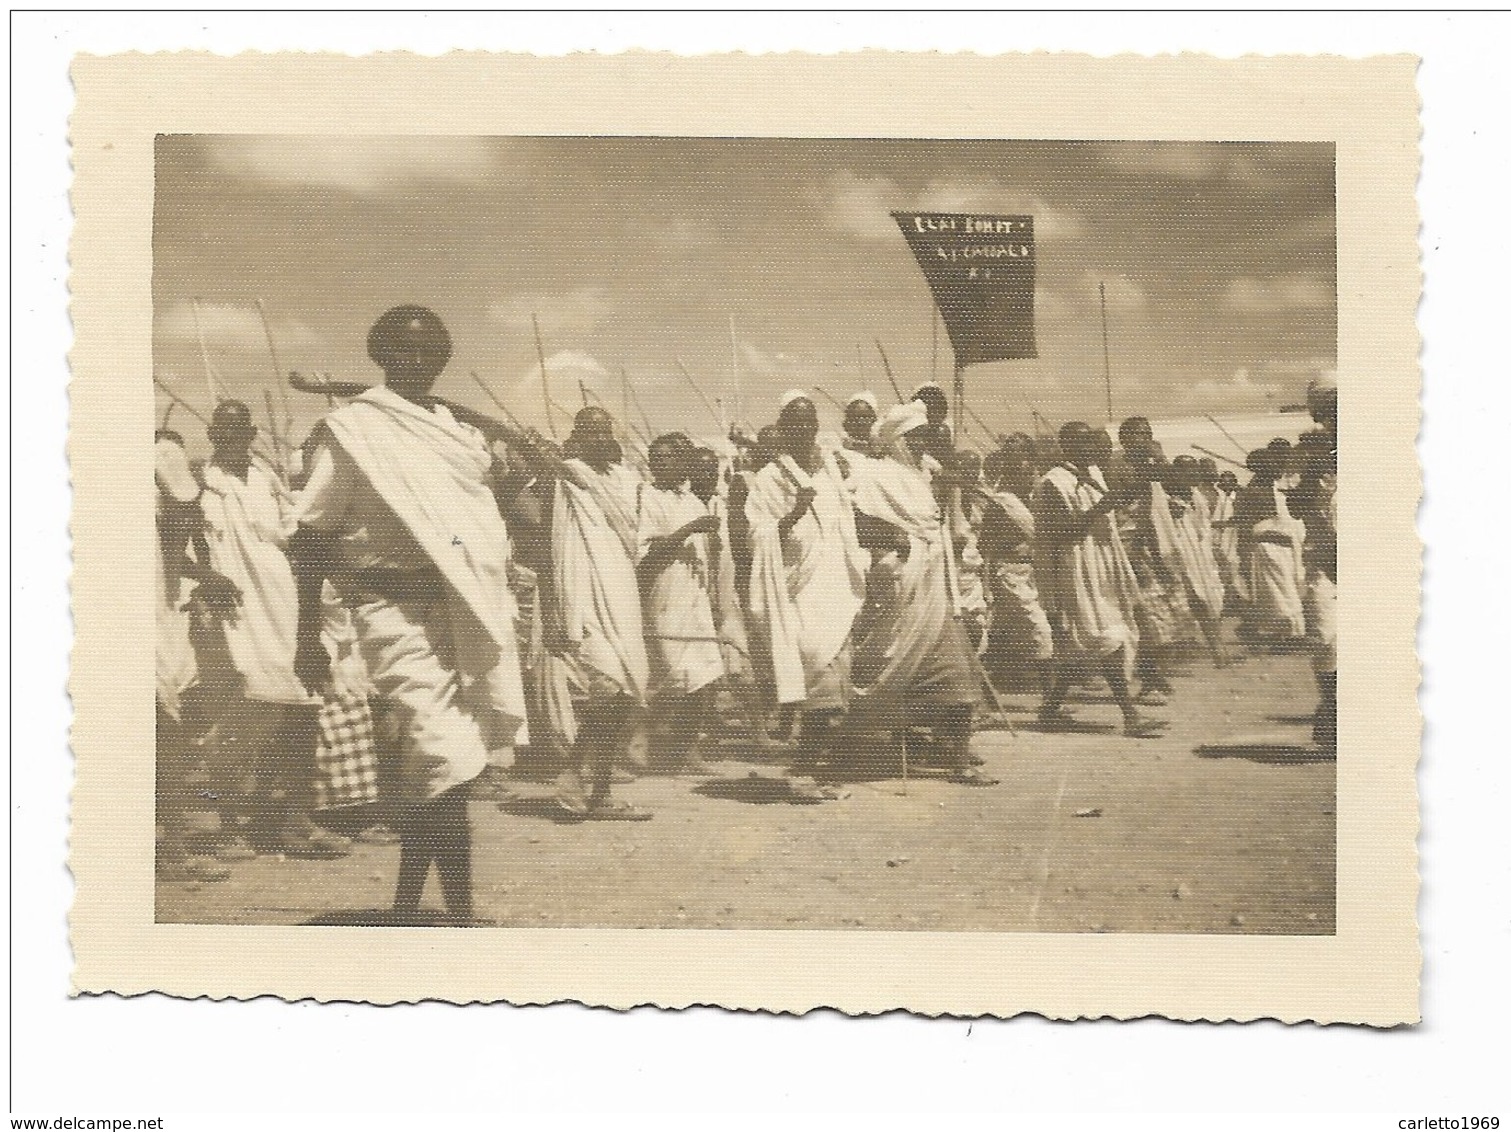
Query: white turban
x,y
793,395
901,420
865,397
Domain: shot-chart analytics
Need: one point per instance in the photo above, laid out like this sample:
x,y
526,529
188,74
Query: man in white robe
x,y
178,527
265,727
594,618
808,574
1085,579
1187,542
676,578
1019,640
914,663
1270,542
399,512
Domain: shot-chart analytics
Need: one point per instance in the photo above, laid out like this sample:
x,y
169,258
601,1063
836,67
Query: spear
x,y
1215,456
545,388
278,448
481,384
707,404
283,393
832,398
991,433
175,399
1228,434
887,365
204,353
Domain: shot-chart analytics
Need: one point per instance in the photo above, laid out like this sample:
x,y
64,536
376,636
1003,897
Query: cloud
x,y
580,311
1248,295
227,327
1240,390
861,206
565,369
761,363
365,166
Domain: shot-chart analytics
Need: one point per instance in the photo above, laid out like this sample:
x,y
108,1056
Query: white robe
x,y
682,642
914,651
247,526
1086,583
450,661
806,589
594,543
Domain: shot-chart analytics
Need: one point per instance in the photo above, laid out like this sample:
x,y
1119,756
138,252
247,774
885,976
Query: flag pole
x,y
934,343
959,401
545,388
1106,356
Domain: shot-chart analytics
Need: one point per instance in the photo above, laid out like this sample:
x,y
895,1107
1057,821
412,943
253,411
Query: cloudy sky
x,y
636,253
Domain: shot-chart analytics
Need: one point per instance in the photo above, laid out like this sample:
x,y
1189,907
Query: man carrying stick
x,y
398,510
1085,579
808,574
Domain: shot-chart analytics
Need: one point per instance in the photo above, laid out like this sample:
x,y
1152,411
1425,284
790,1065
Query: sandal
x,y
1144,728
618,811
973,777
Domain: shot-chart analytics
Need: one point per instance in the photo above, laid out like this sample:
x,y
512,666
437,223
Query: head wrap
x,y
793,395
901,420
865,396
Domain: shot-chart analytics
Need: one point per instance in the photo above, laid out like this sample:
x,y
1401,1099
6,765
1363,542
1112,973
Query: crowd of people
x,y
358,633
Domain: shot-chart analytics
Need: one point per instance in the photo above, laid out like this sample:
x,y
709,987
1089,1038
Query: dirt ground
x,y
1225,824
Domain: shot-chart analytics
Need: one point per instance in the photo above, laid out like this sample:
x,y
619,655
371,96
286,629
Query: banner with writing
x,y
981,271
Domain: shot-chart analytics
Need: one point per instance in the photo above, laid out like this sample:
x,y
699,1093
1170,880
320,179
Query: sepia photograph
x,y
724,532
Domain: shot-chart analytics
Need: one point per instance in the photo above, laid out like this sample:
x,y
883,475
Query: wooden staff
x,y
650,429
1218,425
707,404
204,354
545,387
991,433
819,389
196,414
887,365
278,383
280,452
1215,456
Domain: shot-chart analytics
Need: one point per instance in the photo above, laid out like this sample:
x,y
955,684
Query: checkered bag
x,y
346,758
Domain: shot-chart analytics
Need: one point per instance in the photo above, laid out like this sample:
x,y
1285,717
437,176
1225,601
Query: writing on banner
x,y
980,270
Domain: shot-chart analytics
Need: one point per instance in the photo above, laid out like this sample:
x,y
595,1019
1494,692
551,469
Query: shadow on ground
x,y
1277,753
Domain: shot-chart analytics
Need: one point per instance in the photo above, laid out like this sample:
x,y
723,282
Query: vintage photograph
x,y
721,532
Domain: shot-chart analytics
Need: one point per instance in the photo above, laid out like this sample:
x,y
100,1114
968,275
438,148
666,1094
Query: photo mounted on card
x,y
772,532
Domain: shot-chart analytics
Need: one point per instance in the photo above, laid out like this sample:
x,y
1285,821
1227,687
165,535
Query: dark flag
x,y
981,271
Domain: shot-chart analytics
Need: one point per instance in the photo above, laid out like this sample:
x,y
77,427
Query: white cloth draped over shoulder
x,y
1277,574
1086,581
432,472
916,647
681,639
1187,542
806,589
594,545
247,526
